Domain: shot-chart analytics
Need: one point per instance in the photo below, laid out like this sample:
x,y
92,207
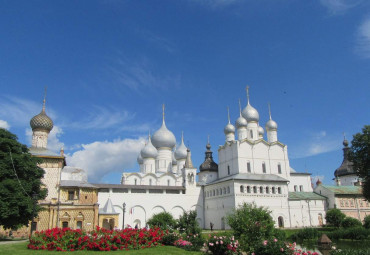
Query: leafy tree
x,y
251,225
187,223
359,154
335,217
20,182
350,222
367,222
163,220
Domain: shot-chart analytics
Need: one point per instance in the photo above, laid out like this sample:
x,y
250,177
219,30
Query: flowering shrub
x,y
220,245
100,239
183,244
169,238
196,240
276,247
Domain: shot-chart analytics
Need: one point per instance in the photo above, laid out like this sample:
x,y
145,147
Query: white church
x,y
252,168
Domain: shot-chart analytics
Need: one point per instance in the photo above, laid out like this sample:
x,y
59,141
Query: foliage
x,y
220,245
197,241
251,225
169,238
100,239
350,252
359,154
187,223
357,233
335,217
163,220
183,244
367,222
306,233
16,200
350,222
277,247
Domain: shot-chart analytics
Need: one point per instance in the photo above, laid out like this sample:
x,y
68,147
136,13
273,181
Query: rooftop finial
x,y
43,103
182,136
228,114
240,109
247,89
163,112
344,136
269,105
208,139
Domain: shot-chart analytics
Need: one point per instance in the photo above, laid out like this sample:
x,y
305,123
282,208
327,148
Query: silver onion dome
x,y
240,122
42,121
271,125
140,159
163,138
149,151
229,129
261,132
250,113
181,151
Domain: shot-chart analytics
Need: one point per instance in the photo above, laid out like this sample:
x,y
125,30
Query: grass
x,y
21,249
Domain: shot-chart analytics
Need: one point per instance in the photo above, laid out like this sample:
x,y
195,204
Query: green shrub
x,y
334,217
306,233
169,238
367,222
356,233
163,220
187,223
350,222
350,252
251,225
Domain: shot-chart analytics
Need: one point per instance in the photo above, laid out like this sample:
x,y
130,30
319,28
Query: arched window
x,y
261,190
214,193
267,190
241,189
254,189
281,222
249,167
279,168
135,181
273,190
279,190
228,170
217,192
264,167
251,134
168,182
150,182
220,191
228,190
248,189
224,190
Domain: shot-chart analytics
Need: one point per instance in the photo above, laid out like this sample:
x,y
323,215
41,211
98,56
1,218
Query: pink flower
x,y
211,244
275,240
265,242
217,242
221,242
281,249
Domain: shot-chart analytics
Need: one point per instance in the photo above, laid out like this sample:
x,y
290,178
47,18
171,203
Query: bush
x,y
335,217
367,222
251,225
350,222
197,241
357,233
279,247
163,220
220,245
306,233
188,224
351,252
169,238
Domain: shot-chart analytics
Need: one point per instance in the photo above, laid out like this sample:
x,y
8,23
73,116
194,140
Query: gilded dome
x,y
149,151
41,121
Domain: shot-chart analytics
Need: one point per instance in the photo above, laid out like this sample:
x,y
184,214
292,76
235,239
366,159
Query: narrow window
x,y
261,190
295,188
251,133
150,182
279,168
264,167
228,190
65,224
33,226
135,181
254,189
241,189
279,190
248,189
220,191
228,170
301,188
273,190
249,167
224,190
267,190
214,193
168,182
79,224
71,195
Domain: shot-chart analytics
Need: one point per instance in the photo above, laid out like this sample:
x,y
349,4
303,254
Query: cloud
x,y
160,41
362,47
316,143
54,144
140,76
103,157
340,6
4,124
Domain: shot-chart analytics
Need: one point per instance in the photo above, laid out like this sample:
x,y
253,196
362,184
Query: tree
x,y
359,154
335,217
20,182
251,225
187,223
367,222
163,220
350,222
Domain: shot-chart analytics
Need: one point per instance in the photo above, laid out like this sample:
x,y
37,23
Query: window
x,y
135,181
33,226
150,182
220,191
264,167
279,168
273,190
168,182
279,190
295,188
300,188
241,188
224,190
65,224
71,195
249,167
248,189
228,170
254,189
214,192
261,190
228,190
217,192
79,225
251,134
267,190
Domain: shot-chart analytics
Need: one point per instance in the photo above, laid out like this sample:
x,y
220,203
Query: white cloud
x,y
362,47
4,124
339,6
103,157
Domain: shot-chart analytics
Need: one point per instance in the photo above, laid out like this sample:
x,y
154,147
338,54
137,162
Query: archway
x,y
223,223
281,222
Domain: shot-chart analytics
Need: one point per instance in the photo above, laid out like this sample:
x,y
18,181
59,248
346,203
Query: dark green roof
x,y
345,190
305,196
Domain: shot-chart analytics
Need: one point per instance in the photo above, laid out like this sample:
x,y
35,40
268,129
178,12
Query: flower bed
x,y
100,239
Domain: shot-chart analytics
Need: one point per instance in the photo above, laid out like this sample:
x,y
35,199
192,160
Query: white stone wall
x,y
300,183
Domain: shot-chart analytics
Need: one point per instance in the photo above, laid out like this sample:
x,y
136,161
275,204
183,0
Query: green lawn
x,y
21,249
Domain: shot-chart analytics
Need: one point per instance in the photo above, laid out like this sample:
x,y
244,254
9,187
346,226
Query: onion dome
x,y
208,164
149,151
140,159
42,121
249,112
181,151
240,122
229,128
271,125
346,168
261,132
318,182
163,138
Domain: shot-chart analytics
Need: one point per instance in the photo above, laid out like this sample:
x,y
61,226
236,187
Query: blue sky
x,y
109,66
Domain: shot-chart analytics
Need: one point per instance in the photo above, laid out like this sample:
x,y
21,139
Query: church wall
x,y
51,177
330,202
306,213
300,182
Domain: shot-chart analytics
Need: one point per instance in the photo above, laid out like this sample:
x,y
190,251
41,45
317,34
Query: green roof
x,y
305,196
345,190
